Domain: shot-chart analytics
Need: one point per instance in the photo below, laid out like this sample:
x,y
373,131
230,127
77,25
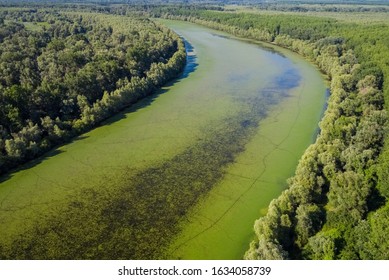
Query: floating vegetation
x,y
139,218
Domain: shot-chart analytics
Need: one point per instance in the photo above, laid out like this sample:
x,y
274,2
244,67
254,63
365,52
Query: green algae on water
x,y
183,174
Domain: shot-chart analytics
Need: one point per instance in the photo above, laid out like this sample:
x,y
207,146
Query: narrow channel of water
x,y
184,173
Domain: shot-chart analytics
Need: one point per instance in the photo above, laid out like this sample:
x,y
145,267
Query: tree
x,y
309,221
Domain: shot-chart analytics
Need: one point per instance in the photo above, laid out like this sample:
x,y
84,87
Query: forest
x,y
335,206
63,73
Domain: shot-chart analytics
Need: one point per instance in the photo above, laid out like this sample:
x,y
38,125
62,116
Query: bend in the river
x,y
183,174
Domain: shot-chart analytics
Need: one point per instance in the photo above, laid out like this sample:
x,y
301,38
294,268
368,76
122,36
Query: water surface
x,y
283,97
184,173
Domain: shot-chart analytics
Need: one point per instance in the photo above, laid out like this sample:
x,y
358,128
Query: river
x,y
182,174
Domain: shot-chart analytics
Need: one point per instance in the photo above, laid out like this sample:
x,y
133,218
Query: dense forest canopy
x,y
62,73
75,69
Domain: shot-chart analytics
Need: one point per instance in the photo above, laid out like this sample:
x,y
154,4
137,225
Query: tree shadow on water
x,y
191,60
33,162
191,65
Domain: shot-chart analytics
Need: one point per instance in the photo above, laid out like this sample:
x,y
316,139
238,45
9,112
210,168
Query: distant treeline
x,y
63,73
335,207
209,2
314,7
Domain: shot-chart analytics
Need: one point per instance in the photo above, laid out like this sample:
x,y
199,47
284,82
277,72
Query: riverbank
x,y
126,182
